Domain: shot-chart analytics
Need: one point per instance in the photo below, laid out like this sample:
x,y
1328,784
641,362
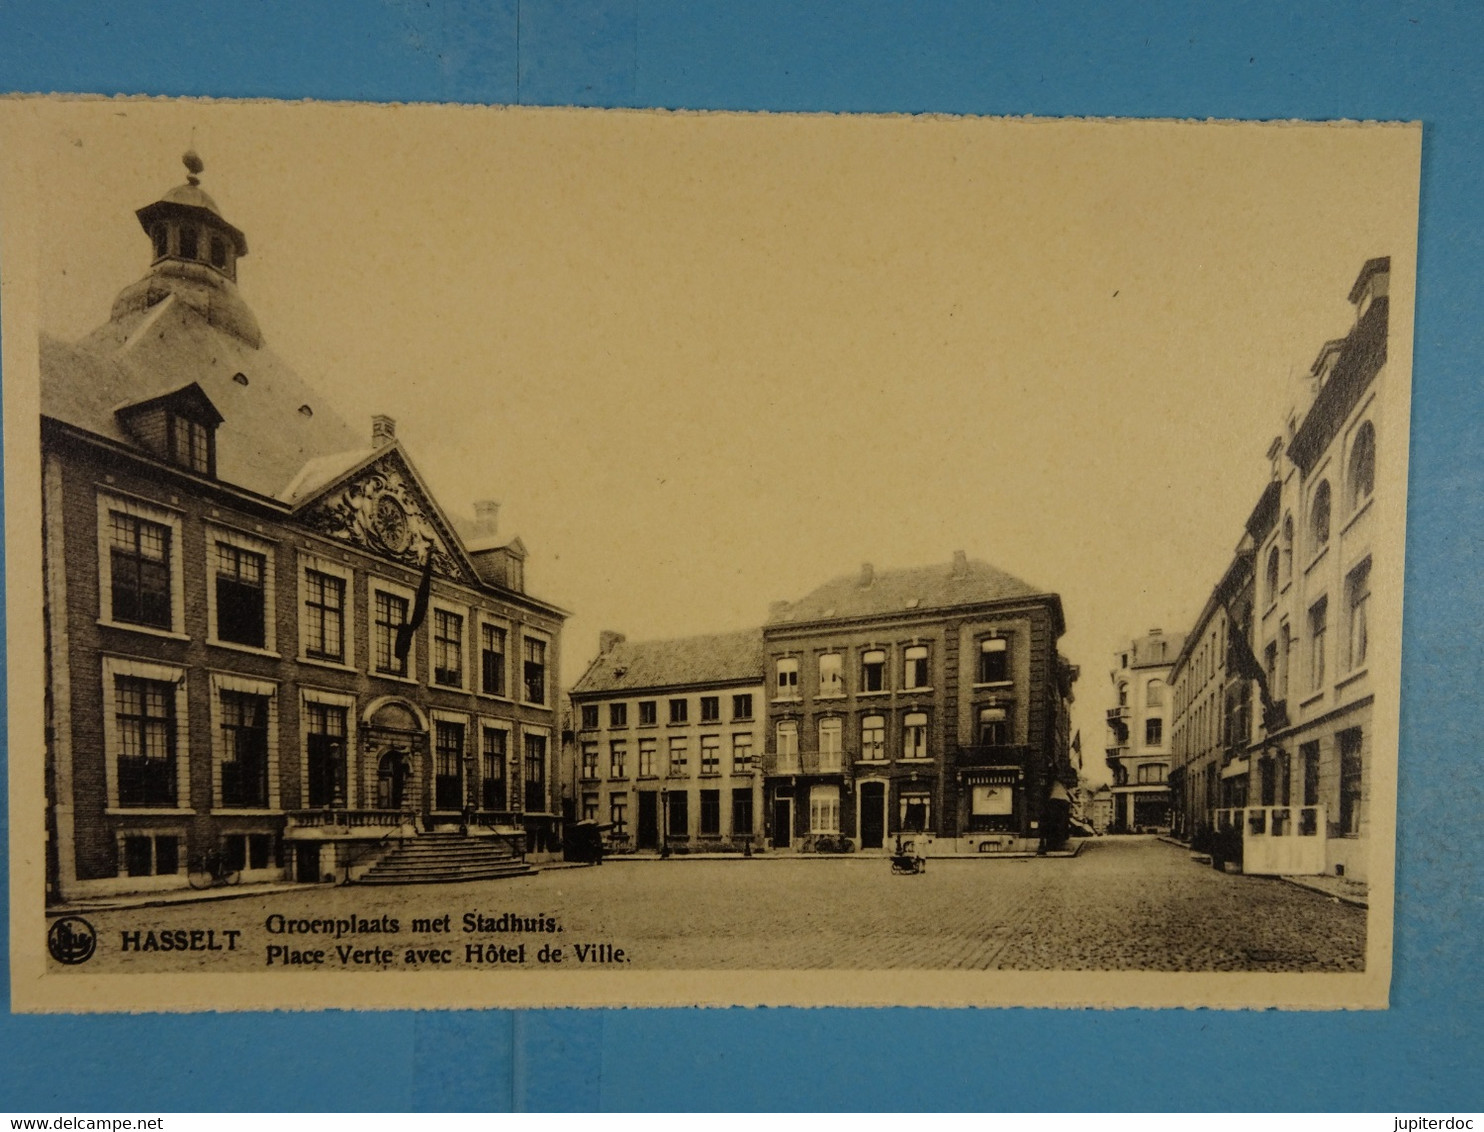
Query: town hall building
x,y
267,645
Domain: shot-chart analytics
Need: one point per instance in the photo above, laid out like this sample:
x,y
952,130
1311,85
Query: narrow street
x,y
1132,903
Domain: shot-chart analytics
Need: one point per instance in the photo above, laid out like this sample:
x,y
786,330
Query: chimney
x,y
960,564
608,640
486,516
383,430
868,575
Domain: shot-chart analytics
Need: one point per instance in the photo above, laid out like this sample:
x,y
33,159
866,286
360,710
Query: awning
x,y
991,775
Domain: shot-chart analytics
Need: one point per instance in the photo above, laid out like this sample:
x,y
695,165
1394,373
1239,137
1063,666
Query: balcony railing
x,y
993,754
809,762
1119,713
348,819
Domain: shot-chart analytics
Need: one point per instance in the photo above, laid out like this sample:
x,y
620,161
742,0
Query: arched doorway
x,y
394,739
392,773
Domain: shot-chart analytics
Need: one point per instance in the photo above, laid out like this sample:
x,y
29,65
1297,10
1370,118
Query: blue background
x,y
1130,57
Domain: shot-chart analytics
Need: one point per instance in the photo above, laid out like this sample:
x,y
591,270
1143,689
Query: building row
x,y
1273,690
929,702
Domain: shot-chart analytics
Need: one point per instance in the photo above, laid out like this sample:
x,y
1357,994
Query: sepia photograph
x,y
494,556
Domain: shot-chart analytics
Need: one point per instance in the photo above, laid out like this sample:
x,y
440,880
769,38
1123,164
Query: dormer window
x,y
191,444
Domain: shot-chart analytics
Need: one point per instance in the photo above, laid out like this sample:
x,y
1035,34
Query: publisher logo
x,y
71,940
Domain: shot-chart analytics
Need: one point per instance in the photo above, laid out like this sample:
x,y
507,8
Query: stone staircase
x,y
443,858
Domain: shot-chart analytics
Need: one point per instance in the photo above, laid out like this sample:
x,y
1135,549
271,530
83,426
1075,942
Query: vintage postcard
x,y
477,556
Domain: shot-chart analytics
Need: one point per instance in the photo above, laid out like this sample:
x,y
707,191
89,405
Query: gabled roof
x,y
265,437
715,658
908,590
190,398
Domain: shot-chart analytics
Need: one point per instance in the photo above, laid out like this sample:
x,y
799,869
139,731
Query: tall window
x,y
618,814
994,660
244,749
1151,773
824,809
831,731
189,235
994,727
390,615
710,813
710,754
324,616
239,595
914,736
710,709
145,718
677,823
742,753
492,769
190,444
535,671
492,660
1357,603
1309,756
618,758
648,713
648,753
1154,693
742,811
1361,480
915,668
1351,768
618,715
1154,732
1318,630
679,711
873,738
589,760
742,706
1272,574
139,559
448,648
873,670
589,717
788,746
1319,515
831,679
448,765
535,776
788,678
1285,545
679,757
589,807
325,754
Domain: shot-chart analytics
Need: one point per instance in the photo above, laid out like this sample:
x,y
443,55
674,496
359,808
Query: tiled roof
x,y
265,438
906,590
715,658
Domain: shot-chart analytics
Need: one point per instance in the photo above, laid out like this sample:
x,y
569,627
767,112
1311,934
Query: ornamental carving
x,y
383,512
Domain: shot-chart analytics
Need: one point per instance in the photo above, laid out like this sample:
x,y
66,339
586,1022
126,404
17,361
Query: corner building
x,y
229,571
668,737
1138,751
928,702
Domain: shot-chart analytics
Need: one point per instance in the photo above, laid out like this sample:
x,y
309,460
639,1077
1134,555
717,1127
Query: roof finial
x,y
193,163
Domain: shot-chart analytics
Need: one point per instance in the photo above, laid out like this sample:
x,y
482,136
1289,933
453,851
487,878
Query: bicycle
x,y
211,868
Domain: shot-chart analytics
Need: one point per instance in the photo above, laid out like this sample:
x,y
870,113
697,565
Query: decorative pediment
x,y
383,508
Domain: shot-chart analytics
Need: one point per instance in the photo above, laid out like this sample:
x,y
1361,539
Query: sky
x,y
706,362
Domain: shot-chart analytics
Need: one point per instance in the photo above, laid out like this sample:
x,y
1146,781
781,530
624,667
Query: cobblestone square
x,y
1123,904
